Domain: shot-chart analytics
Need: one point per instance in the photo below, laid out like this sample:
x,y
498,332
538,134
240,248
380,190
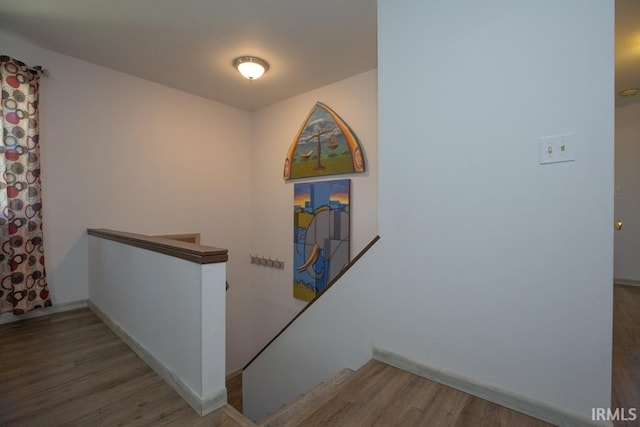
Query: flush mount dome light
x,y
629,92
250,67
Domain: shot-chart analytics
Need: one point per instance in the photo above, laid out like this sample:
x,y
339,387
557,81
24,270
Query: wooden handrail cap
x,y
193,252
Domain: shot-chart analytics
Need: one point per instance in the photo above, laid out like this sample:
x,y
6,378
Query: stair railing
x,y
316,298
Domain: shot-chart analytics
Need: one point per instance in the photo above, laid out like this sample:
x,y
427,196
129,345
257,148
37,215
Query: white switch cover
x,y
557,148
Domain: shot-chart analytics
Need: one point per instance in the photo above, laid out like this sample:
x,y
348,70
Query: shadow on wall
x,y
68,278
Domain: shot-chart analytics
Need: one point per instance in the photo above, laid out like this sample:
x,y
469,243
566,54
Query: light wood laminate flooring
x,y
69,369
381,395
626,352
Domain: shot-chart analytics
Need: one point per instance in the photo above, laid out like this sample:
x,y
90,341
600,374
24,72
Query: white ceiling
x,y
627,49
190,44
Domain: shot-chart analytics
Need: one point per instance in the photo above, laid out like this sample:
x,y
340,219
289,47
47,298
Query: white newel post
x,y
213,328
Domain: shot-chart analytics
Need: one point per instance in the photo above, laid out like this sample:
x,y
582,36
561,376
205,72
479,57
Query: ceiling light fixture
x,y
250,67
629,92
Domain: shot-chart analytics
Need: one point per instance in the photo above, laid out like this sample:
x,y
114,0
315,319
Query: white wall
x,y
506,263
124,153
490,266
627,199
268,304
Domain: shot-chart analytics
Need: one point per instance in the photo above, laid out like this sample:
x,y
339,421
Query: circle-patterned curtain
x,y
23,283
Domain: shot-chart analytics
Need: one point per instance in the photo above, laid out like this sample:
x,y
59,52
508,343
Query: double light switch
x,y
557,148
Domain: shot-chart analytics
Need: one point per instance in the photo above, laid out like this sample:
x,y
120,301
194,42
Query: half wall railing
x,y
166,299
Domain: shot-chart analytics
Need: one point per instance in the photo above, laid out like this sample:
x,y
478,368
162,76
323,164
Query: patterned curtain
x,y
23,284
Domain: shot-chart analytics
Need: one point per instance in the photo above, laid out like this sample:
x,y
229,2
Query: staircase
x,y
304,406
380,394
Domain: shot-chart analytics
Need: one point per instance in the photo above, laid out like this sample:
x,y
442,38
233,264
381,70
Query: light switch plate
x,y
557,149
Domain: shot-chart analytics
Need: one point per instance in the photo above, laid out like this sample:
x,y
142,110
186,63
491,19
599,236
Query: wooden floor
x,y
381,395
234,391
384,395
69,369
626,351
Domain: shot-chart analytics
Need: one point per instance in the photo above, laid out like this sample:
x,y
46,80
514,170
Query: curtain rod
x,y
41,70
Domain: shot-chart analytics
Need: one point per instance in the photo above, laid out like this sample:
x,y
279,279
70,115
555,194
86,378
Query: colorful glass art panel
x,y
321,235
324,145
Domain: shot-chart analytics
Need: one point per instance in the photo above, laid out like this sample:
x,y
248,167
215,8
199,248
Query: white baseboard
x,y
202,405
627,282
496,395
44,311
